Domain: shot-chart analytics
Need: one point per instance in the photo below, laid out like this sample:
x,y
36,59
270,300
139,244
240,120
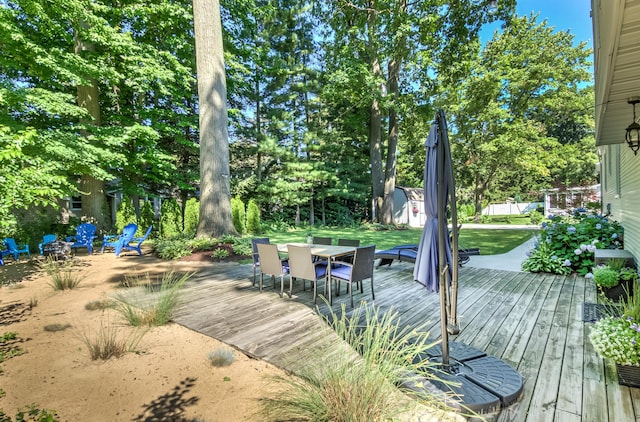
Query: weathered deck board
x,y
532,321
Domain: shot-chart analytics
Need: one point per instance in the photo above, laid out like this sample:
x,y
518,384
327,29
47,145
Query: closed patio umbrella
x,y
480,382
434,266
425,270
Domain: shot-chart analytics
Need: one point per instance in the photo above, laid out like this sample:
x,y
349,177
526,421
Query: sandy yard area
x,y
168,378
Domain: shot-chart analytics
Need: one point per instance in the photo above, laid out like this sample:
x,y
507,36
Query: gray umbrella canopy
x,y
426,267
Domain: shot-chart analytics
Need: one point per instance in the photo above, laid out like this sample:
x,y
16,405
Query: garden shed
x,y
408,206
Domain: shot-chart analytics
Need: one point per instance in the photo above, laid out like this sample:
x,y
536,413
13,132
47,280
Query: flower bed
x,y
567,244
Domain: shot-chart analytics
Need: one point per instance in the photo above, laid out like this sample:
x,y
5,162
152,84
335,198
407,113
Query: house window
x,y
75,203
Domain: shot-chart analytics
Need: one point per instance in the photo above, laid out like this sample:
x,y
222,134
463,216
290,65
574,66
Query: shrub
x,y
484,219
536,217
158,305
191,216
543,260
170,218
238,214
466,212
173,248
220,253
253,217
125,214
574,239
242,246
147,218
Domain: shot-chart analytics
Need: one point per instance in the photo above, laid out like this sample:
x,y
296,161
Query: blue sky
x,y
572,15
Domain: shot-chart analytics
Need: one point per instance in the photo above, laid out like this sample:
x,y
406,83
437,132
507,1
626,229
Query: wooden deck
x,y
531,321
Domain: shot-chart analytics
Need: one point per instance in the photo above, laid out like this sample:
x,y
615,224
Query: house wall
x,y
621,191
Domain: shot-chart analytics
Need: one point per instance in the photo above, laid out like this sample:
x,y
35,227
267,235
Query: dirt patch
x,y
215,256
168,378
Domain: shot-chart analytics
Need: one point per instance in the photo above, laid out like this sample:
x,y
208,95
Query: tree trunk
x,y
215,191
393,85
375,152
392,149
94,207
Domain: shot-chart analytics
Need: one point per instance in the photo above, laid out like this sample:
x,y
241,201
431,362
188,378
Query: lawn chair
x,y
117,242
47,238
84,237
14,249
136,242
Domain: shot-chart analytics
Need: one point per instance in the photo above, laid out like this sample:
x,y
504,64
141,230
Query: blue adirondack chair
x,y
14,249
136,242
85,235
47,238
118,242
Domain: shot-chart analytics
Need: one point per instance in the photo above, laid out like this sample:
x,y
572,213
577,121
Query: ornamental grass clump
x,y
156,303
567,243
362,387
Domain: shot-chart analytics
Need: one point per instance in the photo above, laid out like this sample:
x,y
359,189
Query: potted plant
x,y
615,282
618,338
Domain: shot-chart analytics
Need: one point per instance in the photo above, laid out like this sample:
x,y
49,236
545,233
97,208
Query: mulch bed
x,y
207,256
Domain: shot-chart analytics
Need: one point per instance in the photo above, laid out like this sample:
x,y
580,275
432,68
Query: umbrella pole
x,y
442,230
452,301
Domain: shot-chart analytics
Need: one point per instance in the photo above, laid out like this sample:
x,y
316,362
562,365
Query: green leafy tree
x,y
509,117
414,40
101,87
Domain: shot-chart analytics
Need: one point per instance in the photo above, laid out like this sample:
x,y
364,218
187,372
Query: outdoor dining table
x,y
328,252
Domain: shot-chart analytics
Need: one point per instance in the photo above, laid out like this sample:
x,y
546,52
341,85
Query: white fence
x,y
511,208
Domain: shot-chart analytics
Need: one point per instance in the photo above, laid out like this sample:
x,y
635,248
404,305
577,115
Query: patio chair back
x,y
360,270
271,264
349,242
322,240
135,243
256,259
85,234
301,265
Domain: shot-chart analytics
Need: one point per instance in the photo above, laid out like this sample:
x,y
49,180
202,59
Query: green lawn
x,y
490,241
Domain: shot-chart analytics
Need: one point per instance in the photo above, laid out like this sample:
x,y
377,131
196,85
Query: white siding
x,y
610,177
628,213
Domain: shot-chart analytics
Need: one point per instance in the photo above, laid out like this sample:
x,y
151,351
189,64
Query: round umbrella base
x,y
473,380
